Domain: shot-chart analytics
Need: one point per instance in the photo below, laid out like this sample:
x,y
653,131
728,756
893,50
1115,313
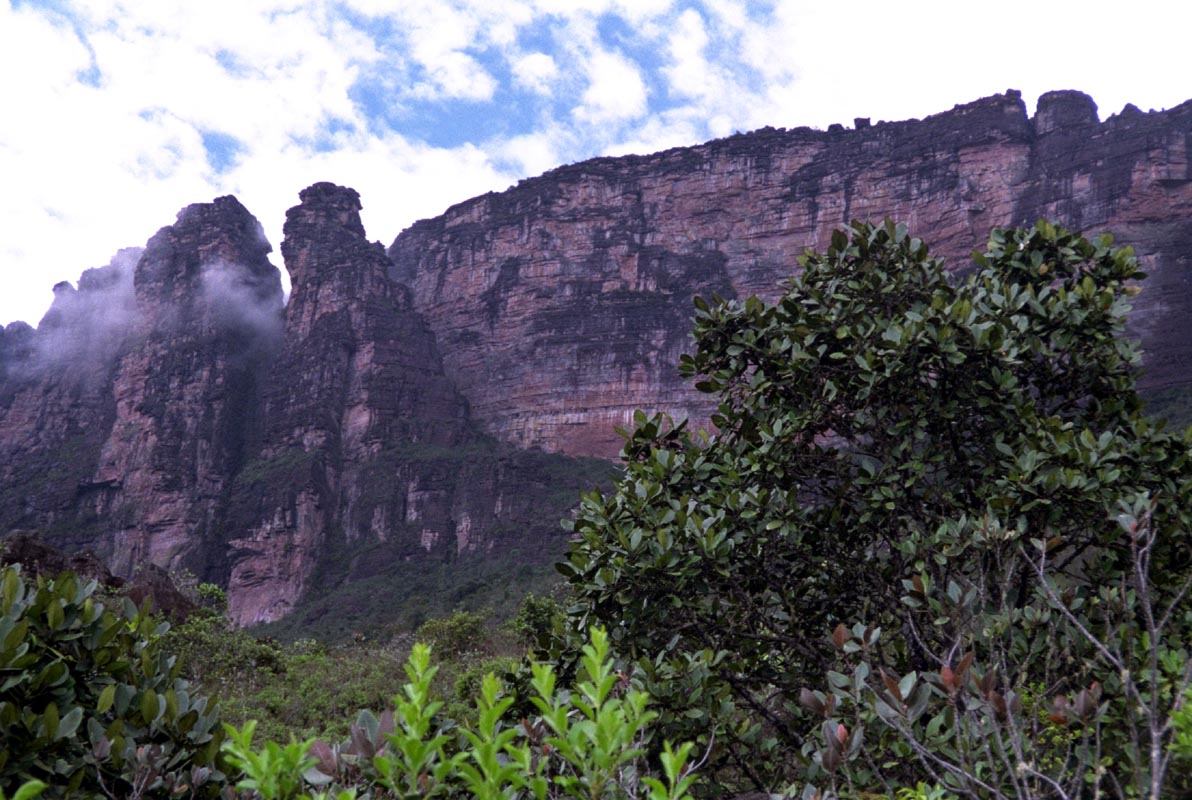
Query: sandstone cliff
x,y
368,456
120,426
170,410
562,304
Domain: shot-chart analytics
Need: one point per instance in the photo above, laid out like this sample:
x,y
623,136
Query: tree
x,y
944,463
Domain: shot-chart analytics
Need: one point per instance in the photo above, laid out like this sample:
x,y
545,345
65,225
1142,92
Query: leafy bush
x,y
584,744
462,632
90,703
934,475
304,689
539,622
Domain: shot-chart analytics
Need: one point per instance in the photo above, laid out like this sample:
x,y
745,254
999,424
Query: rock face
x,y
121,422
365,441
170,412
562,304
403,405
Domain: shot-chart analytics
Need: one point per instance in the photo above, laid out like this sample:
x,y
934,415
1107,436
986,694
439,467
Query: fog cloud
x,y
236,298
85,328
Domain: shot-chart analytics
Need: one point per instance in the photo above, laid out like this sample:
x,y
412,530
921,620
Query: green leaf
x,y
106,698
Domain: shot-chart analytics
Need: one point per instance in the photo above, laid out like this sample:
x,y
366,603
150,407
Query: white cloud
x,y
536,72
535,153
92,168
615,93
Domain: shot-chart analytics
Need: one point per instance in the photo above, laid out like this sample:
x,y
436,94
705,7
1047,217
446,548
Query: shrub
x,y
584,744
462,632
90,703
538,623
914,490
299,690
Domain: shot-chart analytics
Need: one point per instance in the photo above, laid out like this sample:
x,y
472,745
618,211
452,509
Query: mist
x,y
86,328
235,298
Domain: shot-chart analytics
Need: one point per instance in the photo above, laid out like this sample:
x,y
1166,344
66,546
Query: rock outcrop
x,y
170,412
121,425
562,304
405,404
368,451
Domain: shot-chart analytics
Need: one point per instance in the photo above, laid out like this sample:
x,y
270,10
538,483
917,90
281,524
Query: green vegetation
x,y
585,744
303,689
309,689
935,549
934,539
27,791
287,465
403,595
1173,404
90,701
92,706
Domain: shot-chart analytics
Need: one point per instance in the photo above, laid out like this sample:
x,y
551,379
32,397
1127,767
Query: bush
x,y
300,690
584,744
462,632
538,623
90,703
923,502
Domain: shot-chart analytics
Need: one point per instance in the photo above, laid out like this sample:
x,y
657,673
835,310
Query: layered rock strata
x,y
562,304
366,442
170,412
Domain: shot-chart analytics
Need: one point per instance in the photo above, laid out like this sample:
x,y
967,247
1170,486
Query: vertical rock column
x,y
207,304
358,380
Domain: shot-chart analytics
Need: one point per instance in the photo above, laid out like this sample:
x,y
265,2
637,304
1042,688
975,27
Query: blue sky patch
x,y
223,150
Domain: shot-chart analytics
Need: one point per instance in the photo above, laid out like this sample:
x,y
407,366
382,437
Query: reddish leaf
x,y
809,701
324,757
999,704
949,680
963,666
891,686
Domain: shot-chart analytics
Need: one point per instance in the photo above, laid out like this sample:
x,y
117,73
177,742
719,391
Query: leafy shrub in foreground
x,y
89,701
943,464
584,744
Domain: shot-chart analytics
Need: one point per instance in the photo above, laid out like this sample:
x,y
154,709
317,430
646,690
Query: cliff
x,y
562,304
368,456
169,411
402,408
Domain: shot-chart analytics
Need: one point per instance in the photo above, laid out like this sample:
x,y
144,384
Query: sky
x,y
114,114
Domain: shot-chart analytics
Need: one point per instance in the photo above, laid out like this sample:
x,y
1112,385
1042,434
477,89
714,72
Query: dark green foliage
x,y
405,594
301,689
882,436
285,467
90,702
463,632
1173,404
539,622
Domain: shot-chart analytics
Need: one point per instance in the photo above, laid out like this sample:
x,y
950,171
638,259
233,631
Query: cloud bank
x,y
114,115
